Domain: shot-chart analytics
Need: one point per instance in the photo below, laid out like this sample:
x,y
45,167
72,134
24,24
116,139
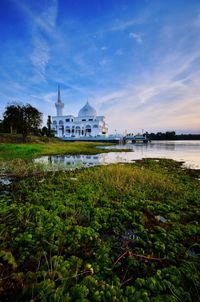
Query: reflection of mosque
x,y
77,160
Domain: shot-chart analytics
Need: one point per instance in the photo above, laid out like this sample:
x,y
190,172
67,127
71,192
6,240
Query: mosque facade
x,y
86,124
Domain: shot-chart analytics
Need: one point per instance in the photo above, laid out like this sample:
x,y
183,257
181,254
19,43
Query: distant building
x,y
87,123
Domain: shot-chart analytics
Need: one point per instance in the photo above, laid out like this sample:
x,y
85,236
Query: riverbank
x,y
110,233
33,150
16,160
12,147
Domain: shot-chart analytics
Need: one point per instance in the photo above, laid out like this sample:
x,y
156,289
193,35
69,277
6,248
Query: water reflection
x,y
186,151
72,161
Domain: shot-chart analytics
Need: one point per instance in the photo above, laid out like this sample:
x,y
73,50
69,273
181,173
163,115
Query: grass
x,y
32,150
16,159
96,235
11,147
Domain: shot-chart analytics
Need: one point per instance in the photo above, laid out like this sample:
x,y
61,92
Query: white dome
x,y
87,110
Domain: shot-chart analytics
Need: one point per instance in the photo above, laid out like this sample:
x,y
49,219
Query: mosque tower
x,y
59,104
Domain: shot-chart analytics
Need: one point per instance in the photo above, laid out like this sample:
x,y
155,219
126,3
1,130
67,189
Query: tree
x,y
44,131
22,118
11,118
49,126
1,126
47,131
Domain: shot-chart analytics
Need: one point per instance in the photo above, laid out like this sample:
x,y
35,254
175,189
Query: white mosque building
x,y
86,124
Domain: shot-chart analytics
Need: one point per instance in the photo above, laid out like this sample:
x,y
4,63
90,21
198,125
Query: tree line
x,y
171,135
25,120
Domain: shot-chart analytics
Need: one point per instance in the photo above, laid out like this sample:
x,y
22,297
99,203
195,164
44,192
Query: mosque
x,y
86,124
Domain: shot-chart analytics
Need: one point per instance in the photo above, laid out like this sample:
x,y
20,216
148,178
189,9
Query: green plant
x,y
97,235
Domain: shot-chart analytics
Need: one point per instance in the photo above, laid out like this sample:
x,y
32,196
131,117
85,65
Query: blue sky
x,y
136,61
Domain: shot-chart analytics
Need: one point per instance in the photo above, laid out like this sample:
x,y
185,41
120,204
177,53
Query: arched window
x,y
67,129
88,129
82,130
95,126
60,122
78,130
54,126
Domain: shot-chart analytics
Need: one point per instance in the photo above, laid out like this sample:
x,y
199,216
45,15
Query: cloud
x,y
45,20
137,37
104,62
159,101
104,47
40,56
155,86
121,25
43,31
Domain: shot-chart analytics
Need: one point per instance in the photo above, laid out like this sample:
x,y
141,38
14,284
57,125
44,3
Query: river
x,y
184,151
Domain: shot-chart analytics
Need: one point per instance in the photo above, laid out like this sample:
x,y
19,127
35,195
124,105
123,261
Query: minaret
x,y
59,104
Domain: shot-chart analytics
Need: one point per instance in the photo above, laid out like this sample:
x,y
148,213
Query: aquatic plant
x,y
97,235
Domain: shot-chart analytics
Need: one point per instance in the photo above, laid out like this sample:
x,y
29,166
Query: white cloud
x,y
48,17
104,47
124,24
44,22
137,37
161,101
104,62
164,94
40,56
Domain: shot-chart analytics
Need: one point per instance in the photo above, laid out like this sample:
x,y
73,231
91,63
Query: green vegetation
x,y
8,138
32,150
24,119
171,135
110,233
16,158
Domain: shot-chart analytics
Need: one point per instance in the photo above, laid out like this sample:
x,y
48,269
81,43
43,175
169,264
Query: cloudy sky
x,y
136,61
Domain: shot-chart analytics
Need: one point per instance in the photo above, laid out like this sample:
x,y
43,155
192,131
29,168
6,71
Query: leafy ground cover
x,y
111,233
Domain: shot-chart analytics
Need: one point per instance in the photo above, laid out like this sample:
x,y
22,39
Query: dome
x,y
87,110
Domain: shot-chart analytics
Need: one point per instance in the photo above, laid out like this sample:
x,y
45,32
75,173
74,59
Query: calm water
x,y
186,151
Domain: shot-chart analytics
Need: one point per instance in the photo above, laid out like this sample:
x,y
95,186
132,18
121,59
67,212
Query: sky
x,y
137,62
